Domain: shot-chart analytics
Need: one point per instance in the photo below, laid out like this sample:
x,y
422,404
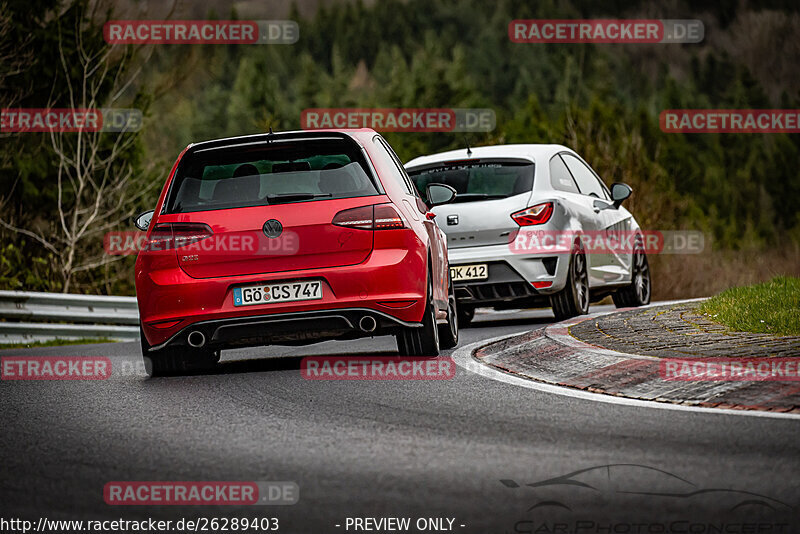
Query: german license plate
x,y
283,292
469,272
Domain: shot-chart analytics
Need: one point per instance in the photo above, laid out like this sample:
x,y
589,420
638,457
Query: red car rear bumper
x,y
391,282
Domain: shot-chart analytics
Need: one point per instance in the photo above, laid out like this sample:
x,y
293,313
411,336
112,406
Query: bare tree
x,y
16,57
94,170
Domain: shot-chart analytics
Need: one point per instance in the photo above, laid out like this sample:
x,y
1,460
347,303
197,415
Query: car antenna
x,y
469,151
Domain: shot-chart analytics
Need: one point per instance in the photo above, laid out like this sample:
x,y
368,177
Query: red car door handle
x,y
430,216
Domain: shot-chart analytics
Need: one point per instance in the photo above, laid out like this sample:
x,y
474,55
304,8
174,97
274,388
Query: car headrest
x,y
246,169
238,188
457,179
337,181
521,185
292,166
189,192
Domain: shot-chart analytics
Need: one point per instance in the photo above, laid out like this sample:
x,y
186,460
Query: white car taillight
x,y
538,214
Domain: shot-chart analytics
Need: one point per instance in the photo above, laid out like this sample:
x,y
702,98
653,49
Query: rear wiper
x,y
465,197
291,197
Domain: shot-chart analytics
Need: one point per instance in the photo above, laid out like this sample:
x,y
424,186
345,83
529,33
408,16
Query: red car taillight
x,y
166,236
376,217
187,233
387,218
538,214
355,218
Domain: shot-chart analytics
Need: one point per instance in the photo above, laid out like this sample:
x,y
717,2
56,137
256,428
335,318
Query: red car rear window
x,y
276,173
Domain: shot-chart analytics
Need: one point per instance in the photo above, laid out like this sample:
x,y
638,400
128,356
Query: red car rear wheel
x,y
171,361
422,341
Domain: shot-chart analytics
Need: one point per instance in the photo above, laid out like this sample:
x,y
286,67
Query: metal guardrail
x,y
24,316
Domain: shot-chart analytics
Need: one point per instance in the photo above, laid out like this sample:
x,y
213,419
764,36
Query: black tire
x,y
465,315
448,332
402,343
573,300
422,341
638,292
173,361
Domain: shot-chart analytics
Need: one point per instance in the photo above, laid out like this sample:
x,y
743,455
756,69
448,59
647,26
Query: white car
x,y
524,228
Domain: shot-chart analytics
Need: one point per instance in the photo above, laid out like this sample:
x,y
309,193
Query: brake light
x,y
538,214
376,217
166,236
160,237
387,218
355,218
188,233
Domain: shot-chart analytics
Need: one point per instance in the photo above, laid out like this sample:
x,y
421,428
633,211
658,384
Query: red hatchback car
x,y
291,238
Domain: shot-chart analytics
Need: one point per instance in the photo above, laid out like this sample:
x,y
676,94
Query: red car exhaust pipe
x,y
196,339
367,324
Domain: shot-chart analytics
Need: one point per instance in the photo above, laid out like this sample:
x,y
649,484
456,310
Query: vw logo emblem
x,y
272,228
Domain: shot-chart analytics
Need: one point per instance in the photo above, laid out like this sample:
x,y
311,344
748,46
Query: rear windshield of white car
x,y
277,173
477,180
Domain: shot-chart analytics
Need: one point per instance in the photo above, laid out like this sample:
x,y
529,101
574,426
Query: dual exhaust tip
x,y
197,339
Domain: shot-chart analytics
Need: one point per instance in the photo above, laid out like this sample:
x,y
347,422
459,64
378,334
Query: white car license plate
x,y
469,272
284,292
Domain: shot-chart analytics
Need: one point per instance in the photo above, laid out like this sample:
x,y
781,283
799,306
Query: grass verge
x,y
769,308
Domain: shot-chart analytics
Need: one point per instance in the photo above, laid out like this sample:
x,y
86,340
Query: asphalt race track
x,y
462,449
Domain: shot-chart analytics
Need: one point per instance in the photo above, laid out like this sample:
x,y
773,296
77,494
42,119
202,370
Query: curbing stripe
x,y
463,357
554,346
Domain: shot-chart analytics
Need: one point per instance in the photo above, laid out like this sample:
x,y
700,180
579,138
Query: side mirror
x,y
439,194
620,192
142,222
